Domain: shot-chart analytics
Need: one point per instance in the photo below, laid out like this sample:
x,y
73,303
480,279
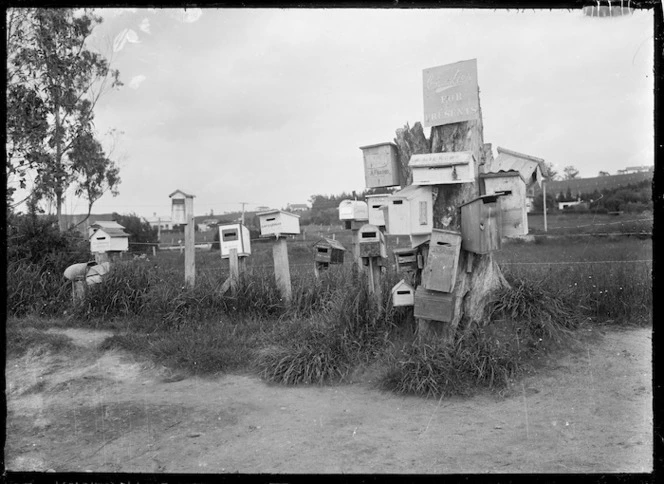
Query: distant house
x,y
635,169
564,205
578,186
262,208
207,224
163,223
297,207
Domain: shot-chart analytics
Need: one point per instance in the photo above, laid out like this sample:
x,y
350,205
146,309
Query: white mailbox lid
x,y
434,160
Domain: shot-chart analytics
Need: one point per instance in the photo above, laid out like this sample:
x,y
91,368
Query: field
x,y
147,376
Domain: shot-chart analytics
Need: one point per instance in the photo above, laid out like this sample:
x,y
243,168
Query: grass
x,y
22,337
333,327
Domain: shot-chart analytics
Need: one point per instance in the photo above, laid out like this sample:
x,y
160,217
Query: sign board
x,y
451,94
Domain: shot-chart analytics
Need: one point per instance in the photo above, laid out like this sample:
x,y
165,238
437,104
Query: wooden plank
x,y
234,266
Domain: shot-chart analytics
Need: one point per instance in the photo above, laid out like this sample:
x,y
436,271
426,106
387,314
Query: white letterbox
x,y
381,165
409,211
443,168
278,222
403,294
353,210
374,203
108,237
234,236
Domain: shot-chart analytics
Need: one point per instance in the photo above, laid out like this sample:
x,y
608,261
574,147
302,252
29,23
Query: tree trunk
x,y
472,289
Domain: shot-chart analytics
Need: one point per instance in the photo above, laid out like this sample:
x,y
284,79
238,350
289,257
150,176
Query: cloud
x,y
145,25
136,81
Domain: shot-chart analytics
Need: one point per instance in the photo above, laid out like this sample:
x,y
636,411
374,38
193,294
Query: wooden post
x,y
357,261
242,264
154,251
234,266
281,268
375,286
544,202
189,241
78,290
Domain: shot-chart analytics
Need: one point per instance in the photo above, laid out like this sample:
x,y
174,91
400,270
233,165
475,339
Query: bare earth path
x,y
587,411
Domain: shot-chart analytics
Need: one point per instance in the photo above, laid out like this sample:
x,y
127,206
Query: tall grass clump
x,y
350,331
33,290
522,321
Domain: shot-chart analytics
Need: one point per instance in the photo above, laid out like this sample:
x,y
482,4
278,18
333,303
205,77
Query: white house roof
x,y
186,194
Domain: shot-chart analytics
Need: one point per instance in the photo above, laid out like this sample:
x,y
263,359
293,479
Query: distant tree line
x,y
635,197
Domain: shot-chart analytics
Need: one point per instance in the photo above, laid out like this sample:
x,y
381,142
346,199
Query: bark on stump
x,y
472,290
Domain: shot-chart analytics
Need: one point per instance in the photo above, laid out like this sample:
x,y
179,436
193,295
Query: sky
x,y
270,106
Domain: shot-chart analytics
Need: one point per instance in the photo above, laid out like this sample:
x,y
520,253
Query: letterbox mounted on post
x,y
480,224
372,242
514,216
276,223
178,207
443,168
234,236
403,294
374,203
353,210
329,251
405,259
409,211
107,237
381,165
439,273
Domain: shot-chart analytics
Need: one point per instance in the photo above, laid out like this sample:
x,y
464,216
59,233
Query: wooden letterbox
x,y
179,207
443,168
403,294
376,215
405,259
514,213
353,210
329,251
480,224
433,305
409,211
372,242
234,236
381,165
108,237
278,223
439,273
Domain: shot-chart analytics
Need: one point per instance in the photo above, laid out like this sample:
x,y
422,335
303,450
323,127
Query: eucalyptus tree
x,y
54,83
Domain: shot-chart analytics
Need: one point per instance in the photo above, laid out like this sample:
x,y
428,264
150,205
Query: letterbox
x,y
234,236
179,213
439,273
371,241
405,259
278,222
329,251
403,294
409,211
353,210
443,168
108,237
480,224
433,305
514,215
376,215
381,165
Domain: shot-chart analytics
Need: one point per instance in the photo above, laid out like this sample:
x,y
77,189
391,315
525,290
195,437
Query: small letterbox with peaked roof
x,y
278,223
371,241
439,273
329,251
480,224
234,236
108,237
409,211
443,168
374,203
353,210
179,213
403,294
381,165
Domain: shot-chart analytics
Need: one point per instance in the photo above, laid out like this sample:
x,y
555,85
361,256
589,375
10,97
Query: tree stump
x,y
473,290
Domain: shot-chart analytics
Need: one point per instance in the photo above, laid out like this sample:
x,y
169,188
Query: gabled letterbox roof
x,y
335,244
182,192
112,232
526,165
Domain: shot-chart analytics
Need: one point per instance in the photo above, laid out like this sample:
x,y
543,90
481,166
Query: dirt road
x,y
586,411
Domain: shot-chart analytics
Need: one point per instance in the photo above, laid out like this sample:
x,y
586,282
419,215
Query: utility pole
x,y
243,204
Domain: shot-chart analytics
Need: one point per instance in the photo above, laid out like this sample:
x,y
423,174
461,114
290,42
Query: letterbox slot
x,y
403,292
270,219
375,206
443,243
322,249
368,235
488,199
101,238
228,236
397,202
